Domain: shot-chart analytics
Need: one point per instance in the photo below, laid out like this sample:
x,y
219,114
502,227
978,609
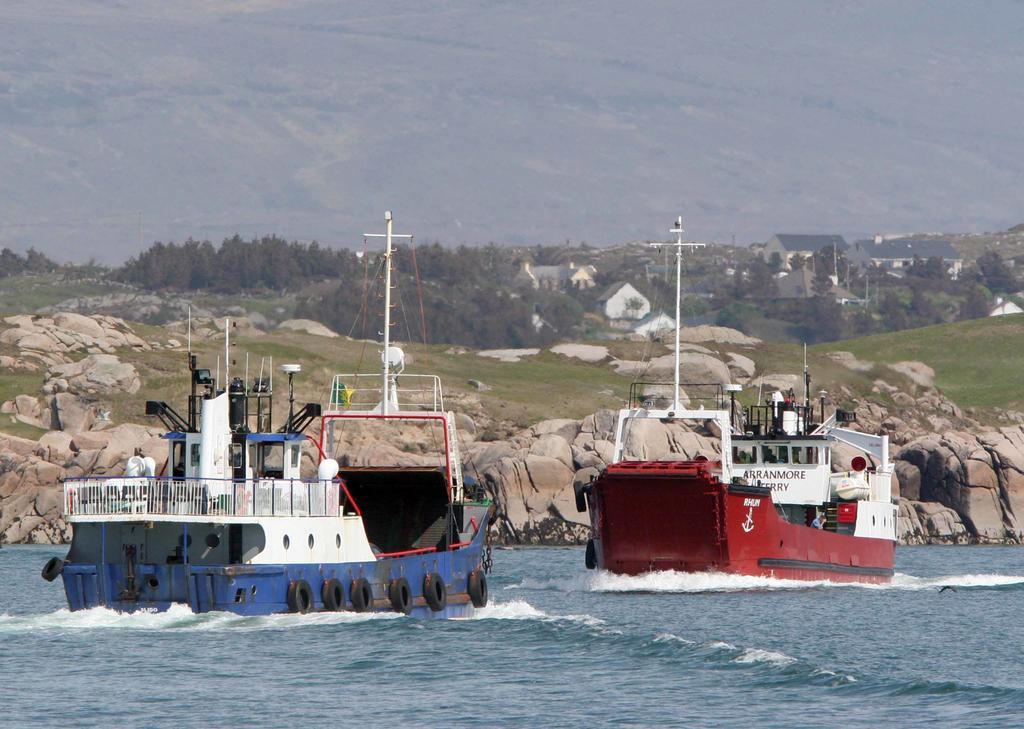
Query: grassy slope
x,y
977,363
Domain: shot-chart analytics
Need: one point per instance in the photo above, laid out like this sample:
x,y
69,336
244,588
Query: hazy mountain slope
x,y
513,122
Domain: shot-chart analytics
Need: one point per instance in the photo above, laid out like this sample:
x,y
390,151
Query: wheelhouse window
x,y
774,454
744,454
178,460
812,455
270,460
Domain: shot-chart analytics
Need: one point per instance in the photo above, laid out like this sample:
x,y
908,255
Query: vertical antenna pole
x,y
386,367
679,283
807,393
190,329
679,246
386,363
227,356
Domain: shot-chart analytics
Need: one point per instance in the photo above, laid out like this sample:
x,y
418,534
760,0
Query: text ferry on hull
x,y
765,504
229,524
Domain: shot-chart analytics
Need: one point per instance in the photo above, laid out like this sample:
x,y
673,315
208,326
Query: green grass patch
x,y
977,363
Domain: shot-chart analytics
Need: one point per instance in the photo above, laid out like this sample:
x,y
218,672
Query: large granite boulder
x,y
307,326
979,476
96,374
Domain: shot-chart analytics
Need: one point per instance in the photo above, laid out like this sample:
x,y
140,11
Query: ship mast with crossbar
x,y
679,245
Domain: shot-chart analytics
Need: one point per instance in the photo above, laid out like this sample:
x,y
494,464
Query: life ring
x,y
333,595
400,595
361,595
435,592
591,555
477,588
52,569
581,490
300,596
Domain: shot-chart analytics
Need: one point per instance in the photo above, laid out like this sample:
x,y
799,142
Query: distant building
x,y
557,277
1002,307
799,284
621,302
788,245
899,253
653,323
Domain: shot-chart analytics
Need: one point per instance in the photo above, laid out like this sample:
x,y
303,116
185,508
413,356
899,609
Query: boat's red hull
x,y
650,516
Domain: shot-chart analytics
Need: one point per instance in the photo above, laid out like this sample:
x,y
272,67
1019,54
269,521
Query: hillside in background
x,y
517,296
514,122
531,421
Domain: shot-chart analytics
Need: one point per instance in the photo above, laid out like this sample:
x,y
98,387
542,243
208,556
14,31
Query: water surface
x,y
558,647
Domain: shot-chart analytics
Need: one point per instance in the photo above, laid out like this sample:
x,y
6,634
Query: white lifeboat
x,y
849,486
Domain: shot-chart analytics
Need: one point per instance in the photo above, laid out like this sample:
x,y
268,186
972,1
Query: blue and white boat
x,y
232,526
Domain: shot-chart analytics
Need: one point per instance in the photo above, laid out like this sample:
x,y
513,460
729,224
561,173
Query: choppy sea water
x,y
558,647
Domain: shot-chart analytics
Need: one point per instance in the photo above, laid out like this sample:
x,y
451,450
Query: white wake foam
x,y
177,617
757,655
670,581
522,610
910,582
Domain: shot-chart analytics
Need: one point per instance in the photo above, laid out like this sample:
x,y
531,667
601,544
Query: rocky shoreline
x,y
958,482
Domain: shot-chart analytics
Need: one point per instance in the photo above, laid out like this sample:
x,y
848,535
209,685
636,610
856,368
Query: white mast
x,y
386,356
227,356
679,245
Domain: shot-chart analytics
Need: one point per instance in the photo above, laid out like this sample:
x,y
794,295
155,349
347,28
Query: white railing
x,y
363,392
200,497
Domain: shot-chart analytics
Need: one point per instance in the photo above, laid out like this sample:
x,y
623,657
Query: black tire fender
x,y
52,569
333,595
300,596
581,489
591,555
361,595
400,595
435,592
477,588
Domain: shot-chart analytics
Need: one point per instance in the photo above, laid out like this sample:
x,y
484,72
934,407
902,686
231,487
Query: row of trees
x,y
33,261
469,295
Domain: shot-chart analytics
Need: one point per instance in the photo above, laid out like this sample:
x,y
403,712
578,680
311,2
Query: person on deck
x,y
819,522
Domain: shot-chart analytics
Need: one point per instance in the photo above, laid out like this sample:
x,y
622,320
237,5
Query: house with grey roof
x,y
894,254
799,284
788,245
557,277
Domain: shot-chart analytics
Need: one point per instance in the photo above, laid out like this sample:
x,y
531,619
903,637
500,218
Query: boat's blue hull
x,y
263,589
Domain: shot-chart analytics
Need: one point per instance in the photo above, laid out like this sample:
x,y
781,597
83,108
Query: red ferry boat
x,y
764,503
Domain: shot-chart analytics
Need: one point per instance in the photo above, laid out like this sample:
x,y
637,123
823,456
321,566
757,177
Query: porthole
x,y
181,540
153,582
253,591
337,541
287,541
872,521
310,541
212,540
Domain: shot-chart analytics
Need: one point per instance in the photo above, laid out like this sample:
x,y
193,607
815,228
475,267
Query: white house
x,y
654,323
788,245
1002,307
623,302
557,277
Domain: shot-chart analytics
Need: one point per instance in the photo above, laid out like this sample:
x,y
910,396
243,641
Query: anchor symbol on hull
x,y
748,523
